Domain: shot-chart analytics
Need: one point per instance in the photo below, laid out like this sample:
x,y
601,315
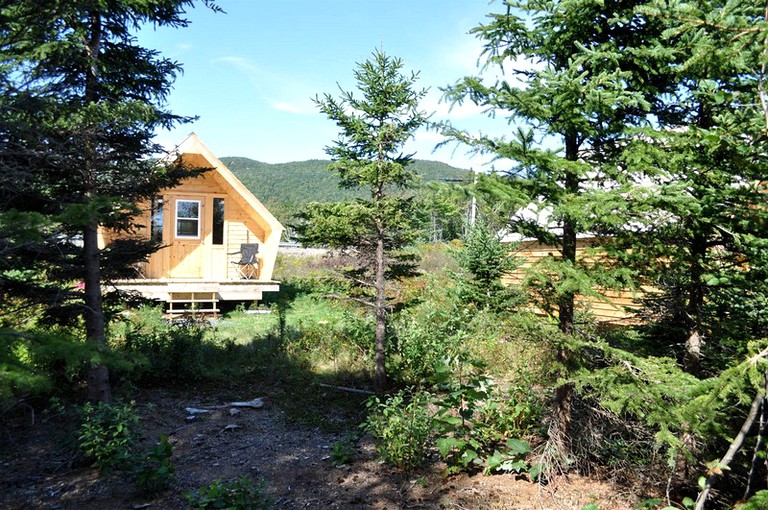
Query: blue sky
x,y
250,74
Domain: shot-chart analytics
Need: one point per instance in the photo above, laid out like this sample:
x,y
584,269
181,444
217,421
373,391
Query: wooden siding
x,y
193,263
612,307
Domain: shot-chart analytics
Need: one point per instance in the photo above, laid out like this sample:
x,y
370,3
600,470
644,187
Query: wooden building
x,y
204,224
611,307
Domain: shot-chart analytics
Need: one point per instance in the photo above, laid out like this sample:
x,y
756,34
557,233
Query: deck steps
x,y
192,303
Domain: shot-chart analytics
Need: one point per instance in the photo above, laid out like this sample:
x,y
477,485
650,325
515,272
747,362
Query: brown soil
x,y
40,471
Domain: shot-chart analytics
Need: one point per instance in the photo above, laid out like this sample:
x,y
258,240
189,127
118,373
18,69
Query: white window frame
x,y
198,218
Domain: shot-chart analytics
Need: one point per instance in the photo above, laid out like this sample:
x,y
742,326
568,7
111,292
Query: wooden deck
x,y
226,290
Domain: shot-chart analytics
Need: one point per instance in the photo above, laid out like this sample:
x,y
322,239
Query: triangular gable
x,y
193,146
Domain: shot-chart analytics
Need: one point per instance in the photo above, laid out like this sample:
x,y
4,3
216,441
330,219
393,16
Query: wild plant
x,y
402,427
108,434
241,494
154,470
480,423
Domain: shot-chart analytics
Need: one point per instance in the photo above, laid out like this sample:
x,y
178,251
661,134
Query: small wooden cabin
x,y
203,224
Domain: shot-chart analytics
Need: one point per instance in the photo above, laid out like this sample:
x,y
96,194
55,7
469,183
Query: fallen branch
x,y
350,390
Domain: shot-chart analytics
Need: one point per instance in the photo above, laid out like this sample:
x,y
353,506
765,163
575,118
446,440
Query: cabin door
x,y
187,253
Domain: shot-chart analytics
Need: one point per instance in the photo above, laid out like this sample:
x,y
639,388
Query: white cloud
x,y
284,106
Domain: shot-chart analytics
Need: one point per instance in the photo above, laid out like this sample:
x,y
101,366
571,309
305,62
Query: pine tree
x,y
368,155
699,222
80,102
572,84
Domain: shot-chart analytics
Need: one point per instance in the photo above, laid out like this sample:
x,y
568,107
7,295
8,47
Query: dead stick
x,y
731,453
343,388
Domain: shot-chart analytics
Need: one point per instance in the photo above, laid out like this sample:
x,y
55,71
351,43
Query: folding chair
x,y
248,265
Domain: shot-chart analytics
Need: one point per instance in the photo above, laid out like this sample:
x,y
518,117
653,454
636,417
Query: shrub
x,y
166,353
154,471
401,426
479,422
241,494
108,434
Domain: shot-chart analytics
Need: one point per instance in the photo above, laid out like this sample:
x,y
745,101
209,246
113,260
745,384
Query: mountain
x,y
284,187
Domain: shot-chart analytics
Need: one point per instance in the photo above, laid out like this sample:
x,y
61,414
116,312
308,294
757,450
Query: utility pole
x,y
473,203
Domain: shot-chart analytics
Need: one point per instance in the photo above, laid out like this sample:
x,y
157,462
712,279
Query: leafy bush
x,y
479,422
108,434
427,332
241,494
154,471
163,352
401,426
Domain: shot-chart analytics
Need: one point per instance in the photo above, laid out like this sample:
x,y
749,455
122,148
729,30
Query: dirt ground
x,y
38,469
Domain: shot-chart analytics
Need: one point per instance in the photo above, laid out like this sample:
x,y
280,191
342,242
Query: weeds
x,y
344,450
241,494
154,470
108,434
401,426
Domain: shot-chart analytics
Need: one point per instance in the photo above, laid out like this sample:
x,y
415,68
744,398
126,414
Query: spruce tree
x,y
80,102
699,222
368,155
571,91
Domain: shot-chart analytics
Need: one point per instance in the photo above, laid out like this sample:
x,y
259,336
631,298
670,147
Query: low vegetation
x,y
471,387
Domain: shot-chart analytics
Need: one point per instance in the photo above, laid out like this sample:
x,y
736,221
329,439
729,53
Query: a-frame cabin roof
x,y
195,154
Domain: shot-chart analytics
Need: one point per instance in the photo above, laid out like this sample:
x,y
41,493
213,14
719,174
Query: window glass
x,y
187,218
218,221
156,225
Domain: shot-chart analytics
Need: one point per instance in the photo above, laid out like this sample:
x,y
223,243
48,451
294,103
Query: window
x,y
188,218
156,223
218,221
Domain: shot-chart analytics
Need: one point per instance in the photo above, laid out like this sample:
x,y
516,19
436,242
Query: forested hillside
x,y
283,187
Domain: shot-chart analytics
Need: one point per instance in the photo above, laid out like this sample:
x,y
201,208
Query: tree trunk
x,y
380,304
695,341
98,374
560,427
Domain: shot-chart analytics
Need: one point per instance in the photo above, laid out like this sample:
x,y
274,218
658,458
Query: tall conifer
x,y
80,101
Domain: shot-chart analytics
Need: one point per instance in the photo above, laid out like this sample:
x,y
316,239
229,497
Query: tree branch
x,y
735,444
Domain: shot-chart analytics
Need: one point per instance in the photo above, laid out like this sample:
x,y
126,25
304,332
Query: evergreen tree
x,y
80,102
368,156
484,260
699,221
574,84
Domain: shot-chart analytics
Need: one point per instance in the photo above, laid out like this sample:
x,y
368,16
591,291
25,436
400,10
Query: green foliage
x,y
757,502
424,335
368,156
684,410
79,92
479,423
108,434
649,504
485,260
166,353
285,188
241,494
344,450
154,471
401,426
